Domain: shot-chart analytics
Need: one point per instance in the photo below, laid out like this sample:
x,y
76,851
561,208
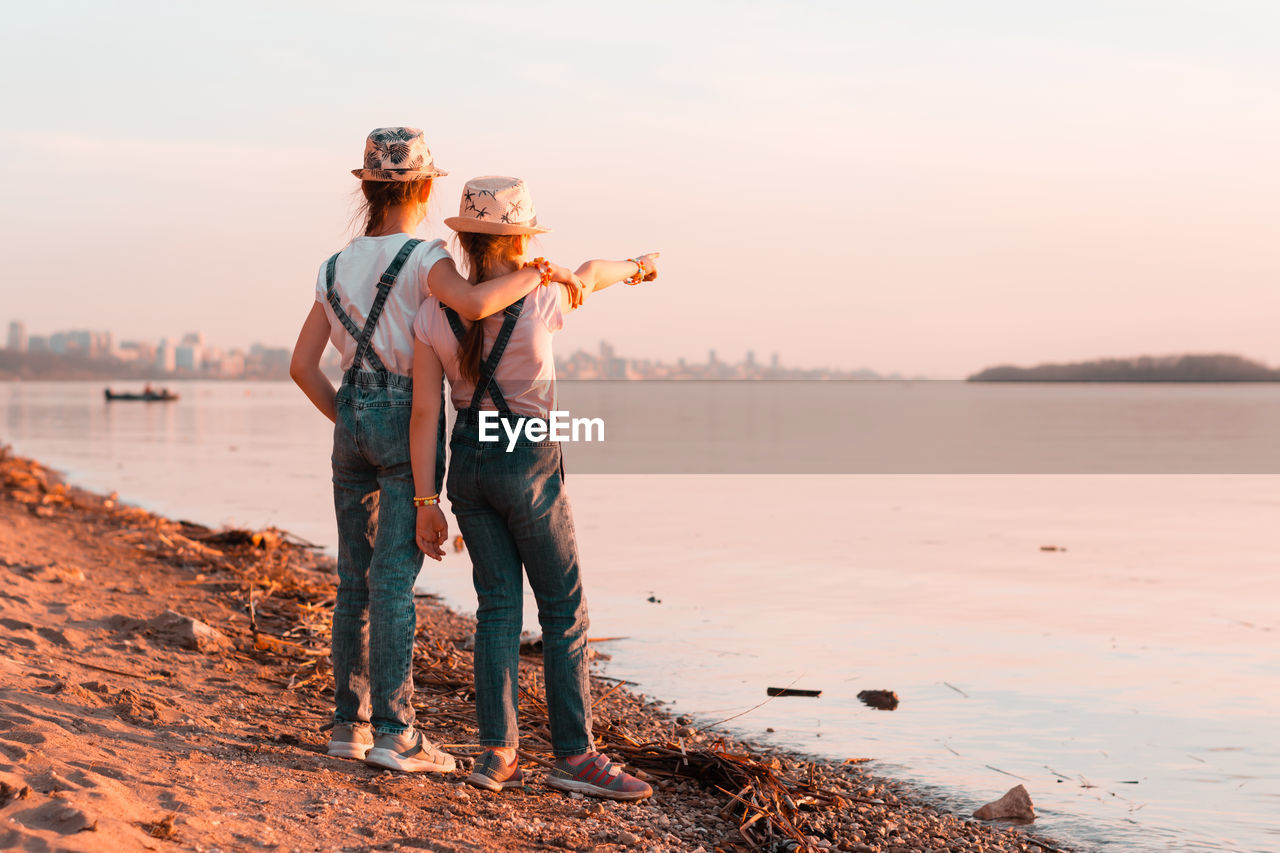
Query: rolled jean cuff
x,y
500,744
569,753
390,730
339,720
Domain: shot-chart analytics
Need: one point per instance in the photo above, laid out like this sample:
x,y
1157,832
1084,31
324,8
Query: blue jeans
x,y
374,618
512,510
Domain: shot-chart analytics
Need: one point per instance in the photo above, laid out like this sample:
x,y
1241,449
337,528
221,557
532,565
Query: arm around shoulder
x,y
477,301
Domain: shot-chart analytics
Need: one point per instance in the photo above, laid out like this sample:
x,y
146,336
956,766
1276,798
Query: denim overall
x,y
374,618
513,510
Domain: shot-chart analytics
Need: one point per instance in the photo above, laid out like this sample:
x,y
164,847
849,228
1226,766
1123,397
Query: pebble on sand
x,y
183,631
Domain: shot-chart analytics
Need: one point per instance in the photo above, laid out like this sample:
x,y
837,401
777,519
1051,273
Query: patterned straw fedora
x,y
396,154
496,205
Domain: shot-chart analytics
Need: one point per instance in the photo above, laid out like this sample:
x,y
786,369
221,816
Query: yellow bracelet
x,y
429,501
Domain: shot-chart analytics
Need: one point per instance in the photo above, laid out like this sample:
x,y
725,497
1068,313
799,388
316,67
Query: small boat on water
x,y
147,395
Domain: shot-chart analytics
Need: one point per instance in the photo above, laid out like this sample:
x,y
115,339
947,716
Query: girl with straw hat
x,y
510,502
366,297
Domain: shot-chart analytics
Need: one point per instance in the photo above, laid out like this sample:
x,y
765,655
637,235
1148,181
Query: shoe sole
x,y
389,760
347,750
481,781
571,786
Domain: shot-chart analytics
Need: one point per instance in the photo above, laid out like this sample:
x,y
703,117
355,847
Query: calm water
x,y
1131,682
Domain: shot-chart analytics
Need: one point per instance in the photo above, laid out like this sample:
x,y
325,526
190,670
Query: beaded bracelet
x,y
543,267
429,501
639,273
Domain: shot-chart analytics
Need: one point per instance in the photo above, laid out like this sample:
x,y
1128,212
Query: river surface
x,y
1130,678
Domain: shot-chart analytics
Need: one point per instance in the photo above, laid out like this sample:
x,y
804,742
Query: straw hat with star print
x,y
496,205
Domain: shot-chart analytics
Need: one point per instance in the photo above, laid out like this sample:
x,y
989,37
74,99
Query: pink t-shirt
x,y
526,373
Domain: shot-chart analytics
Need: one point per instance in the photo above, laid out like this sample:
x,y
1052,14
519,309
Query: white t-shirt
x,y
526,373
356,276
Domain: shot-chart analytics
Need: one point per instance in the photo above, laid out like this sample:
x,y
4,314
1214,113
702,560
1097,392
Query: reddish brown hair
x,y
488,256
381,195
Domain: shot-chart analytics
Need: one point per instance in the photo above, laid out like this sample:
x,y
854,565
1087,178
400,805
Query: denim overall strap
x,y
510,315
364,347
490,367
335,303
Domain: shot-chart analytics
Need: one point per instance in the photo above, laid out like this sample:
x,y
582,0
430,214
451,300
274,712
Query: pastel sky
x,y
926,187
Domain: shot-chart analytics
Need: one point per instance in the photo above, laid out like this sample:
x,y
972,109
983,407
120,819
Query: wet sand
x,y
123,728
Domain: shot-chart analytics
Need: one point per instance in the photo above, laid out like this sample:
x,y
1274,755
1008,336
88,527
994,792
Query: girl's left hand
x,y
432,531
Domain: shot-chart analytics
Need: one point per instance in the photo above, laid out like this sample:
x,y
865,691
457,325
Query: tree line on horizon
x,y
1219,367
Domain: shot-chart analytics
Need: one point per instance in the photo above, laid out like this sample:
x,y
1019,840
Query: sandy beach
x,y
166,686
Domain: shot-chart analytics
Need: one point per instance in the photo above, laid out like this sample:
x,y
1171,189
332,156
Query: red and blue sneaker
x,y
594,775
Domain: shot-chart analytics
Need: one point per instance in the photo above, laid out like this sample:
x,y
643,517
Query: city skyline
x,y
189,352
192,352
922,188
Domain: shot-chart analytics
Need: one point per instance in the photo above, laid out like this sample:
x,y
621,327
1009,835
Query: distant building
x,y
140,352
18,336
751,358
83,342
188,357
268,362
38,343
611,367
80,342
165,355
231,365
